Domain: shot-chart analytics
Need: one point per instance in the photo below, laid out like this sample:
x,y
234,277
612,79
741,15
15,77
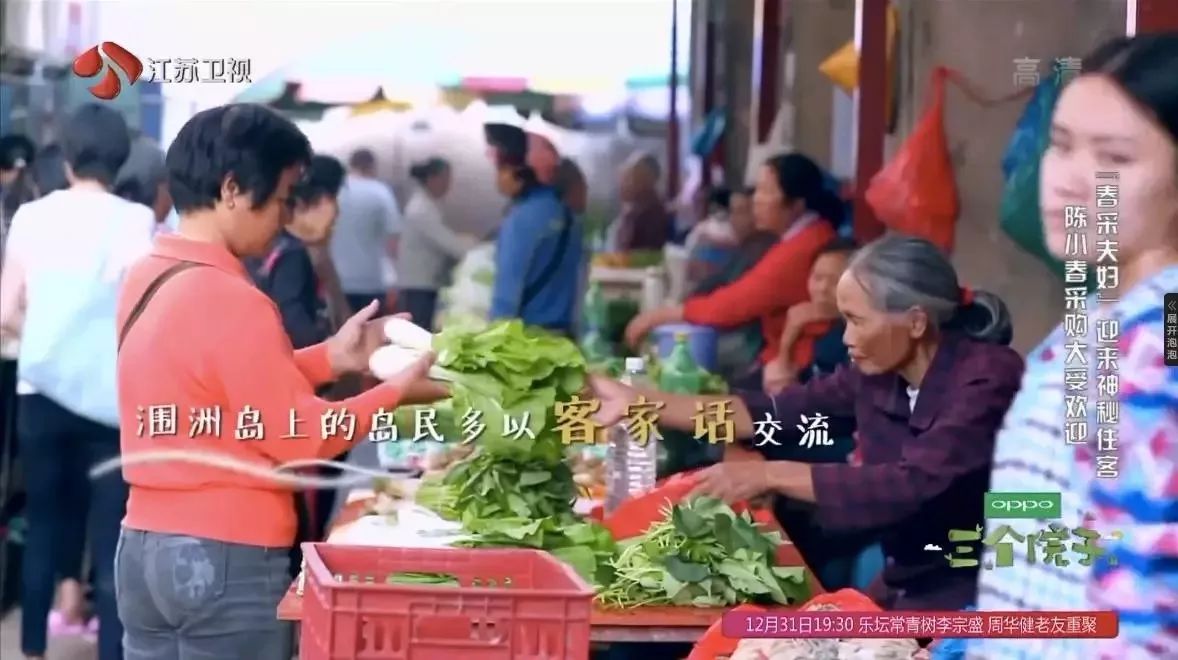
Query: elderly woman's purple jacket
x,y
921,473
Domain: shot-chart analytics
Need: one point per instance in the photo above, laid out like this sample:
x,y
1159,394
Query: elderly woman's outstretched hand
x,y
734,481
614,399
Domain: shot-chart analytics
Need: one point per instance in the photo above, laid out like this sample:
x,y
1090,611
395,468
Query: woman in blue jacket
x,y
540,244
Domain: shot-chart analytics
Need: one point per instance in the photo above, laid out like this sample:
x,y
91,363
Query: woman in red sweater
x,y
791,199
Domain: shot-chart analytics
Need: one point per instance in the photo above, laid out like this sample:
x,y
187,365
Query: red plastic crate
x,y
511,604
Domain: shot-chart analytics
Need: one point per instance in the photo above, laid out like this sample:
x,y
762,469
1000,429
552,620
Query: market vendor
x,y
930,383
540,244
791,201
204,364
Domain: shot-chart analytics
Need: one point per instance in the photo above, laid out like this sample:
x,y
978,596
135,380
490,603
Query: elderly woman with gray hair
x,y
931,379
144,178
645,222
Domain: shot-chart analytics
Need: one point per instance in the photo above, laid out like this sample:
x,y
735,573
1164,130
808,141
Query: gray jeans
x,y
187,598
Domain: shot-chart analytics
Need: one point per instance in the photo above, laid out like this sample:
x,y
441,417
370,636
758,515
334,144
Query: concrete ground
x,y
64,648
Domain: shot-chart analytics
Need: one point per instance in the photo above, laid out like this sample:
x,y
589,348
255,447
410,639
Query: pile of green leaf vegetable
x,y
515,490
705,555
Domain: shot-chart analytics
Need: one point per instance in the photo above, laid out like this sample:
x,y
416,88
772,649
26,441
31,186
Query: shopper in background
x,y
571,186
366,232
67,257
16,156
143,179
285,272
645,222
540,246
205,552
543,158
16,188
69,614
16,181
429,248
573,189
1119,116
313,218
49,170
16,153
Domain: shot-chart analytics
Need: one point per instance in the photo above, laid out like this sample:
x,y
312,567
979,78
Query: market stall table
x,y
646,624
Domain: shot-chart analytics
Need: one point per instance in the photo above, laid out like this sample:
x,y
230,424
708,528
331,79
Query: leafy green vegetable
x,y
586,546
515,490
511,376
486,486
439,497
705,555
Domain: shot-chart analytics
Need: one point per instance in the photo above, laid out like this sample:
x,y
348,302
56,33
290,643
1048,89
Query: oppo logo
x,y
1023,505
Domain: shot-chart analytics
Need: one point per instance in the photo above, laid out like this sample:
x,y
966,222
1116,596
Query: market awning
x,y
403,61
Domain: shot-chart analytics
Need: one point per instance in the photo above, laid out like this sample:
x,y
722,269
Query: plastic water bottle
x,y
631,467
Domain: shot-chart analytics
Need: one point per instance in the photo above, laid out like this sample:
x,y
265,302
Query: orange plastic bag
x,y
915,193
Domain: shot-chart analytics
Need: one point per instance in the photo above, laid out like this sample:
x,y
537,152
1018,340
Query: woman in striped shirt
x,y
1115,125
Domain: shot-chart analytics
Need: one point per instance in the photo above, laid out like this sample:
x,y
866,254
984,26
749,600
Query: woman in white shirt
x,y
428,249
65,260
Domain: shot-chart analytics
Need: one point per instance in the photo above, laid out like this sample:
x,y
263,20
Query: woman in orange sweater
x,y
204,363
792,200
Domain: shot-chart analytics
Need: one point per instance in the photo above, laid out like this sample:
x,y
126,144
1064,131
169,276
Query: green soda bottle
x,y
680,374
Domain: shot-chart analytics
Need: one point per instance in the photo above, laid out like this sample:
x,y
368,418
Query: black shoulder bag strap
x,y
137,310
531,290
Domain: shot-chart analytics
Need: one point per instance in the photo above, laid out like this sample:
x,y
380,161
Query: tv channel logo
x,y
108,58
1041,506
